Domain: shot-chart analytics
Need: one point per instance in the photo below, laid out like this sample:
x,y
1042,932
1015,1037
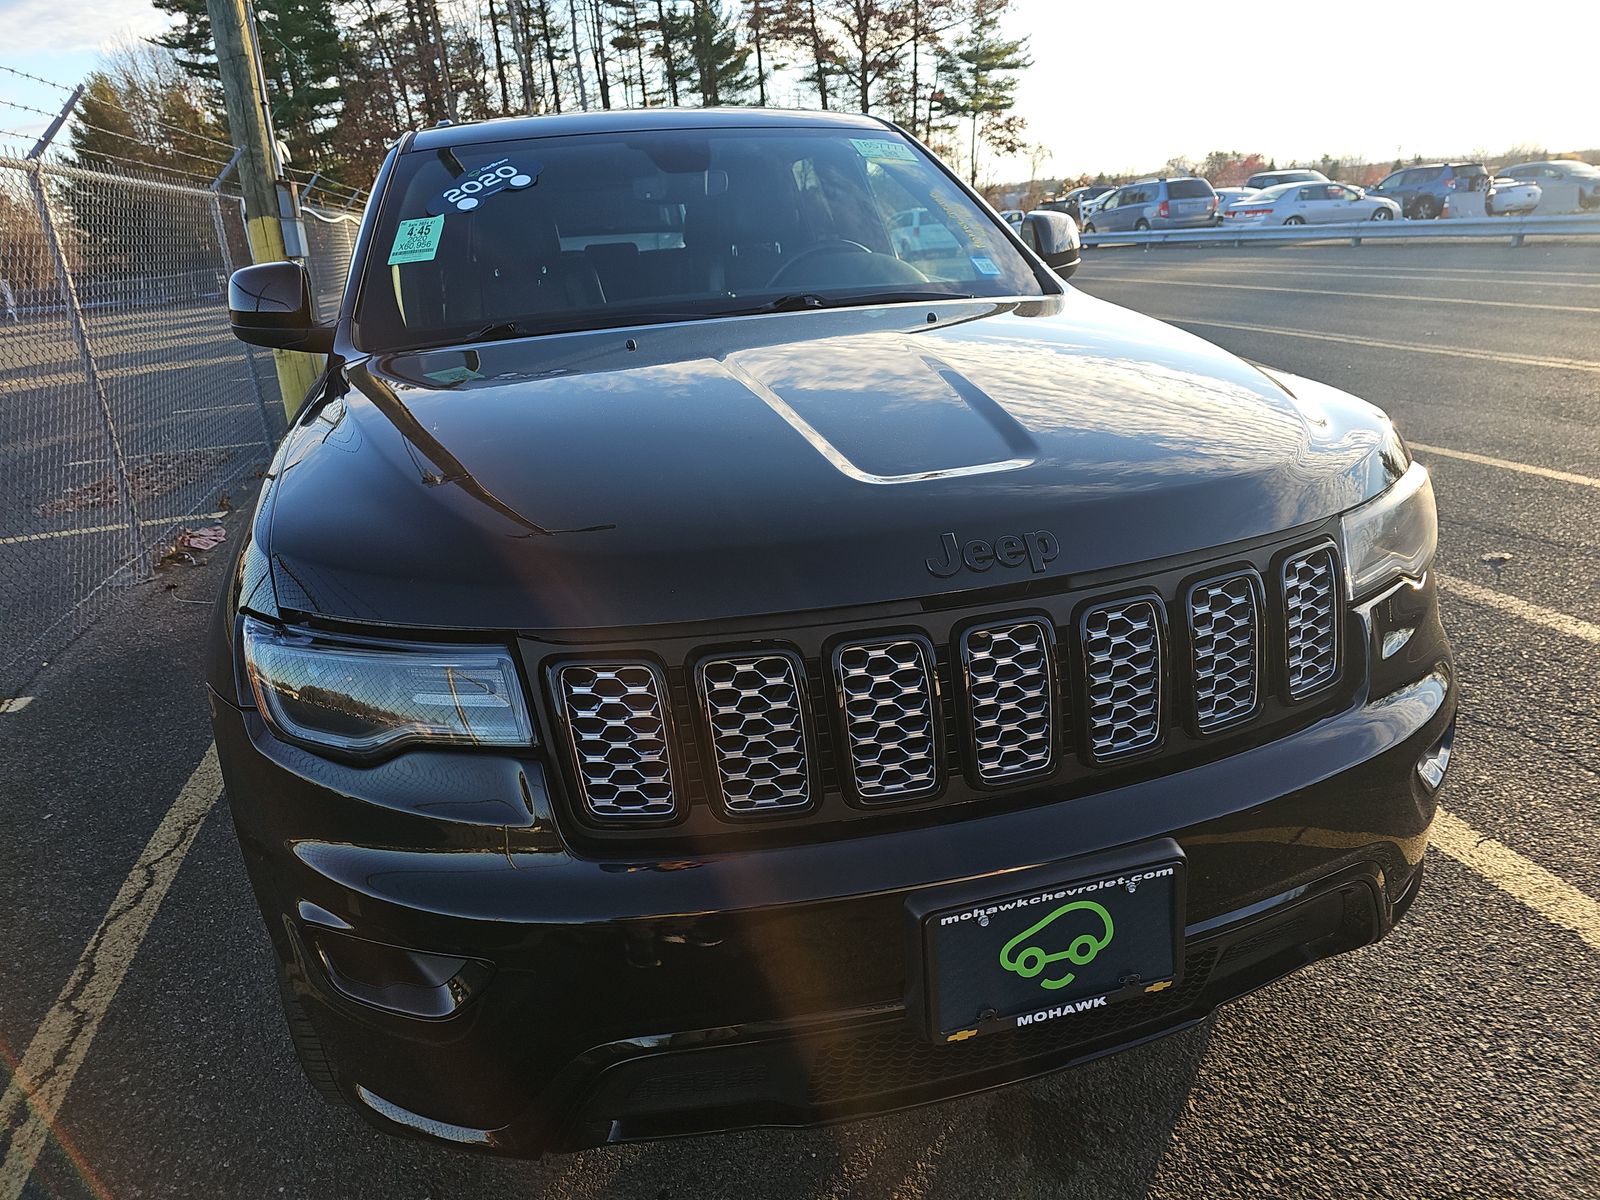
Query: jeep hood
x,y
727,468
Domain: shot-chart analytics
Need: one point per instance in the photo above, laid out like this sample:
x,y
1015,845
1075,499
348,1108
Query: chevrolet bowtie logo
x,y
1157,987
962,1035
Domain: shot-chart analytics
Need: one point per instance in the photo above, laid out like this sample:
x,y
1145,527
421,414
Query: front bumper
x,y
616,998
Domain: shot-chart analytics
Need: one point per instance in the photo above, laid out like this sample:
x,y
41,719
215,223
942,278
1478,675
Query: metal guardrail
x,y
1356,232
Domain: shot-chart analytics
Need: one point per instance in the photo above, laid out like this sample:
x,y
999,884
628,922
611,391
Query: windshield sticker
x,y
416,241
984,265
880,149
482,182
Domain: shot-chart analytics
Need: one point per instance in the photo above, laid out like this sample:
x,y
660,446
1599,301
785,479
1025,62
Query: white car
x,y
1510,197
1310,204
916,231
1227,195
1013,217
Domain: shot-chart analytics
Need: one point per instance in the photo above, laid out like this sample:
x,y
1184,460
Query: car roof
x,y
505,129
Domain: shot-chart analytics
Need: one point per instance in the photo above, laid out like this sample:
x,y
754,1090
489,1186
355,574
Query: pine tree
x,y
980,84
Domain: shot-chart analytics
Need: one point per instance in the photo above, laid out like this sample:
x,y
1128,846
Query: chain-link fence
x,y
127,409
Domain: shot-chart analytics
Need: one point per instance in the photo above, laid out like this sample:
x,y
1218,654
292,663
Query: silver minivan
x,y
1155,204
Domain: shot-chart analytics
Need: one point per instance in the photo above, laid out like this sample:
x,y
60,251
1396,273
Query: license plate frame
x,y
960,983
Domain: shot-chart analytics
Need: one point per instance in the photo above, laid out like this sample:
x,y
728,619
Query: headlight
x,y
360,698
1391,535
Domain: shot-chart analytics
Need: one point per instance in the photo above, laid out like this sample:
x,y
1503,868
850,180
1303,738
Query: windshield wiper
x,y
800,301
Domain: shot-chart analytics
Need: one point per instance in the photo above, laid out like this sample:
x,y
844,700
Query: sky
x,y
1124,88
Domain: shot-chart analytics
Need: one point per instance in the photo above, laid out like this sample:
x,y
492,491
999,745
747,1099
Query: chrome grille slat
x,y
1225,650
756,716
1123,653
1010,682
891,736
1311,621
617,721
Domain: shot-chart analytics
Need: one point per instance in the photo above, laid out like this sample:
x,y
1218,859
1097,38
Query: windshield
x,y
546,234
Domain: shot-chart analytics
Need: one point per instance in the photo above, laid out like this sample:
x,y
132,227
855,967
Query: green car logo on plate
x,y
1081,951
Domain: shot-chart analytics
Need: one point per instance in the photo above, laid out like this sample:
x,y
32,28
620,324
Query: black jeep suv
x,y
691,667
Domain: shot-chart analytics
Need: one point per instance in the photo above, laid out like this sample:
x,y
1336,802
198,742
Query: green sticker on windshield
x,y
883,148
416,241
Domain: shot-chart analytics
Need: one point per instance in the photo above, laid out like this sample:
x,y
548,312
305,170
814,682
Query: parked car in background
x,y
1155,204
1265,179
1567,185
1013,217
1311,204
1074,202
1228,195
1508,197
1421,191
1089,205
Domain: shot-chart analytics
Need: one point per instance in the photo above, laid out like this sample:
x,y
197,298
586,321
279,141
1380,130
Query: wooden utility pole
x,y
260,171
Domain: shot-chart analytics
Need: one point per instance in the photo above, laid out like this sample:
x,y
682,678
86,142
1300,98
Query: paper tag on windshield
x,y
416,241
985,266
883,148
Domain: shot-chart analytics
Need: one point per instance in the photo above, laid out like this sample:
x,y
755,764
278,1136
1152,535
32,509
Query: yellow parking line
x,y
1552,897
1535,614
1516,360
1211,285
1506,464
58,1049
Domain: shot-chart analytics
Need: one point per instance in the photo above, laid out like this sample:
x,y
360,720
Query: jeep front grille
x,y
886,690
1225,650
1011,700
620,740
755,715
823,722
1122,655
1311,621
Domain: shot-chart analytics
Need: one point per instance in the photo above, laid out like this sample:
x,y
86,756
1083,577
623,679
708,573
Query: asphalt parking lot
x,y
1459,1058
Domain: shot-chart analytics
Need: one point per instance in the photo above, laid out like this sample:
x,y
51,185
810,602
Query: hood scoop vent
x,y
881,411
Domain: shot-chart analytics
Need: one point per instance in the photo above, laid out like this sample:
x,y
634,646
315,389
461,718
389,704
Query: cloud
x,y
77,25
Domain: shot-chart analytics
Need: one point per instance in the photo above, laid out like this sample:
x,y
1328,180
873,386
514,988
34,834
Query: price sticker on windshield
x,y
882,149
477,185
416,241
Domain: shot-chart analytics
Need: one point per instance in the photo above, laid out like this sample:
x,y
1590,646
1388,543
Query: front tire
x,y
1089,228
1382,214
1295,221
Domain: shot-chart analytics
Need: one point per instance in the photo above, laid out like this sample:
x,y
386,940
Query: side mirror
x,y
270,304
1054,237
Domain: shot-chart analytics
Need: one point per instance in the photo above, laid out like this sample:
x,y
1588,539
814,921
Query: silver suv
x,y
1155,204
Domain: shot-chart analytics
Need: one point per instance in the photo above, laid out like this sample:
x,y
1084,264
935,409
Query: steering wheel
x,y
836,246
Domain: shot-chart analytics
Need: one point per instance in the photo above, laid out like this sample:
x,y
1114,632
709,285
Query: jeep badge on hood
x,y
1038,549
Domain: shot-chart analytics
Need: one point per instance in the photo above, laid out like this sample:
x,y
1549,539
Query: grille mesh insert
x,y
754,710
891,742
1310,615
1122,654
1225,641
619,739
1010,696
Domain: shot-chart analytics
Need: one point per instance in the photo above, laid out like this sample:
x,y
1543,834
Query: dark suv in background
x,y
1421,191
694,665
